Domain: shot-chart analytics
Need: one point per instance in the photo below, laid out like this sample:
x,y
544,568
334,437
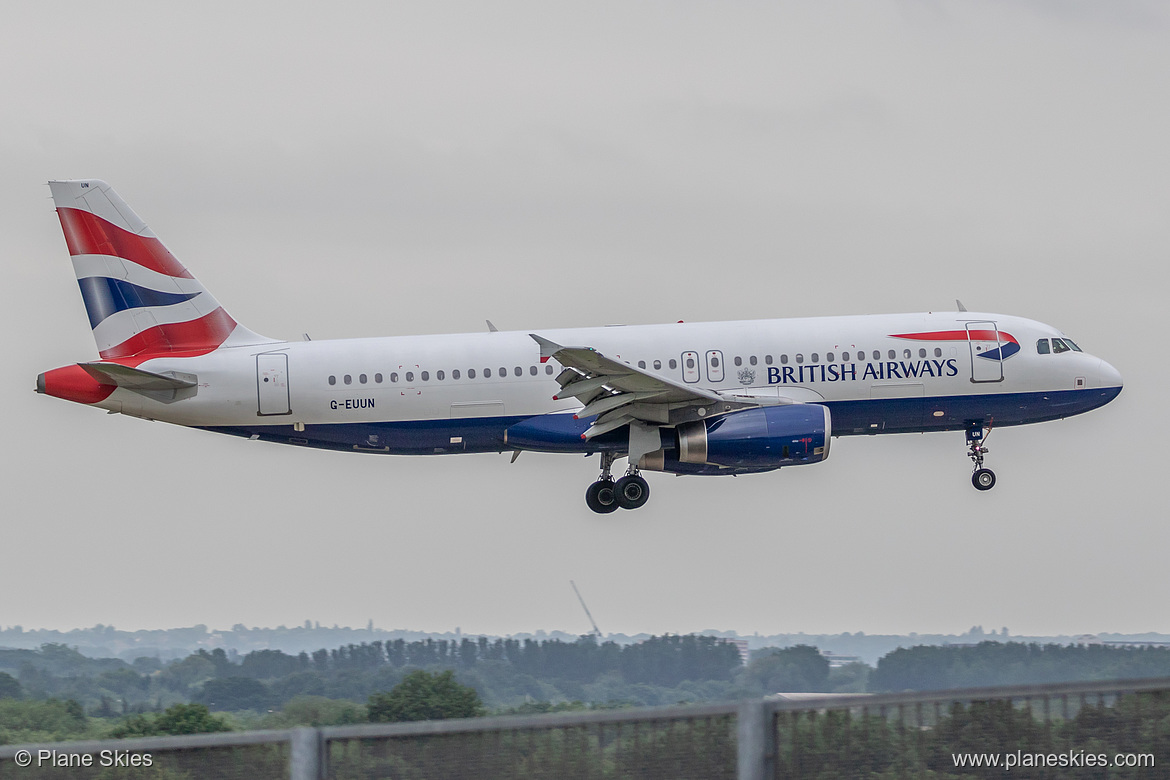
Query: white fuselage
x,y
855,364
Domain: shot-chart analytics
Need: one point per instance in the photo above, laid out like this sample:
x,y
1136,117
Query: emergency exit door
x,y
272,384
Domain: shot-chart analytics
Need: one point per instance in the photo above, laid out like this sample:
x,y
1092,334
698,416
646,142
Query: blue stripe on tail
x,y
105,297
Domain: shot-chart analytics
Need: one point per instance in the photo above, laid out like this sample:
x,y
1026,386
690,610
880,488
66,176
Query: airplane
x,y
706,398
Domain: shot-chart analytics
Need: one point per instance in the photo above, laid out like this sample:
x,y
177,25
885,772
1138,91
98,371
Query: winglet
x,y
547,348
491,328
960,305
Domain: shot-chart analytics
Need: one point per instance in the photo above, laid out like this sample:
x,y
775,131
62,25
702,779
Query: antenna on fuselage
x,y
596,630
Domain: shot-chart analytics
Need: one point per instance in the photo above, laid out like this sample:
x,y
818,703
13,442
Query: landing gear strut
x,y
982,479
605,495
601,496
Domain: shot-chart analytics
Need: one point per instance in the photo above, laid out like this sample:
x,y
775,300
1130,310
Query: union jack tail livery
x,y
140,299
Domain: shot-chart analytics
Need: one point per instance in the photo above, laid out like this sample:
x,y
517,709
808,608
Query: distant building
x,y
836,660
742,646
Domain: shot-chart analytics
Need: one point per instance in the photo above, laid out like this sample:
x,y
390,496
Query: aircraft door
x,y
272,384
986,347
714,365
690,366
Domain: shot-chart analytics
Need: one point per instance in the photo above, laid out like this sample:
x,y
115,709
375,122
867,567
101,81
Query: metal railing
x,y
896,735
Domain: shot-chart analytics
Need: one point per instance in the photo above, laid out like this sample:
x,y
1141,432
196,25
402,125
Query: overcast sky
x,y
386,168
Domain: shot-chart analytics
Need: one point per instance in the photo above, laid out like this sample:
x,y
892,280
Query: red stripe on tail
x,y
88,234
197,337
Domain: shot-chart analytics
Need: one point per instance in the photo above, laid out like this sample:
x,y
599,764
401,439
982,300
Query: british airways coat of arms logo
x,y
747,376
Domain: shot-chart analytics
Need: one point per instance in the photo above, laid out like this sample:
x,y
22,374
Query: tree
x,y
794,669
425,696
178,719
9,687
235,693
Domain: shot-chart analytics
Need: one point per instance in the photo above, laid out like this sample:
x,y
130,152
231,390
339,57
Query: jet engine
x,y
751,440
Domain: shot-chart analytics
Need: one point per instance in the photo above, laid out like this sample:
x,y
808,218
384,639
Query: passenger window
x,y
471,373
714,362
938,352
877,355
690,362
1042,347
893,354
844,357
440,375
829,357
532,370
641,364
657,364
752,360
455,373
784,359
906,354
1058,346
394,378
347,379
518,371
799,358
426,376
815,357
409,376
487,373
503,372
548,369
738,360
362,378
378,378
332,380
768,359
922,353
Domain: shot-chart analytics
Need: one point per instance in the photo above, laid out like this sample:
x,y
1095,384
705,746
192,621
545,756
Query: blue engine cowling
x,y
752,440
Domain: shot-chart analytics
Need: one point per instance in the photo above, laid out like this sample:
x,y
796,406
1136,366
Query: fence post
x,y
305,761
755,741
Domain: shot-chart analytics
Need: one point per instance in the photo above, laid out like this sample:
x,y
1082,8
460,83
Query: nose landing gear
x,y
982,479
605,495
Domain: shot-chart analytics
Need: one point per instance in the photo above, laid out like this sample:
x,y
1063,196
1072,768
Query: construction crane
x,y
596,630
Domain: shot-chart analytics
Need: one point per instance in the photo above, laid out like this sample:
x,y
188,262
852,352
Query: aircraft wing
x,y
619,394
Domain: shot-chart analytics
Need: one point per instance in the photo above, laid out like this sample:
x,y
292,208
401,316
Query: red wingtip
x,y
555,398
582,436
575,417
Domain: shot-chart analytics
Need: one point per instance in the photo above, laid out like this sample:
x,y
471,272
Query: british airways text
x,y
848,372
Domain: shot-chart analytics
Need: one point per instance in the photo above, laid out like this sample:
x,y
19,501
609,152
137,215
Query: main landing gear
x,y
605,495
982,479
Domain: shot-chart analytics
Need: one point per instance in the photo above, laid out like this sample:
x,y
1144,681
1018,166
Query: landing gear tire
x,y
601,497
632,491
983,479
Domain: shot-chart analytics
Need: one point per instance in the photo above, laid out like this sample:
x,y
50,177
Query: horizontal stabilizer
x,y
136,378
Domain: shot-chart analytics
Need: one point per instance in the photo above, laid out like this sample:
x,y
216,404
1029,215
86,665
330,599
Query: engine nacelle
x,y
763,438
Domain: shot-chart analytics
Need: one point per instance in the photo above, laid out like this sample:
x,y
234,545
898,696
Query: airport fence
x,y
1115,729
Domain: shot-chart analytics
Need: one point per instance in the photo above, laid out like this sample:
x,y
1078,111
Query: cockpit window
x,y
1075,348
1042,347
1059,346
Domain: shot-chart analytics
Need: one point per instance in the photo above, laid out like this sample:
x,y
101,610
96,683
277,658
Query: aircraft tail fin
x,y
140,299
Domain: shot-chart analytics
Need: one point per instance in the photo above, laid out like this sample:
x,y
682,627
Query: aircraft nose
x,y
1109,376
